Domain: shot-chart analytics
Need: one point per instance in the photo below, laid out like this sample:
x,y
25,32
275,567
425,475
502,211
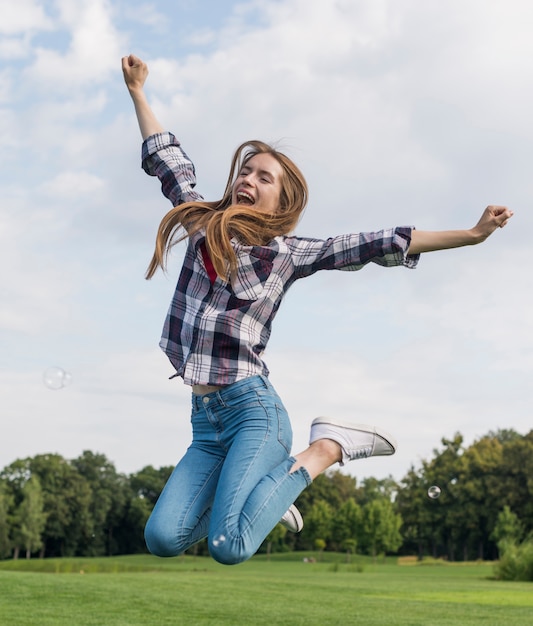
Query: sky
x,y
398,113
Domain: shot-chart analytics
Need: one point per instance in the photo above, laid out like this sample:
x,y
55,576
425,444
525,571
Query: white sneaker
x,y
292,520
357,441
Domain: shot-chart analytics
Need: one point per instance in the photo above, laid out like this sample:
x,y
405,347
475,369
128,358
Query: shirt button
x,y
206,400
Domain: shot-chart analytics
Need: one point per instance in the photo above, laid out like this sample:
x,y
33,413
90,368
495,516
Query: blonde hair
x,y
223,221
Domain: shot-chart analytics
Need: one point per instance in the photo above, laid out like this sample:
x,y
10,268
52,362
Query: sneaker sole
x,y
361,427
297,520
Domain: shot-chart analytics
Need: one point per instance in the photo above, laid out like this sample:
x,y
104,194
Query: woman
x,y
238,478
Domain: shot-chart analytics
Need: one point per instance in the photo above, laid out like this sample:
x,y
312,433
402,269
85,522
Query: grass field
x,y
143,590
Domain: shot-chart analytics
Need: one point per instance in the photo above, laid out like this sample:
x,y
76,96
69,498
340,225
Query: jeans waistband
x,y
234,390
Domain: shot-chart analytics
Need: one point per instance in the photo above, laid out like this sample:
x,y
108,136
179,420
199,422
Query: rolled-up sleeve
x,y
352,252
162,156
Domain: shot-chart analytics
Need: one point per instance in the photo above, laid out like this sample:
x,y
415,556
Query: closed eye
x,y
263,175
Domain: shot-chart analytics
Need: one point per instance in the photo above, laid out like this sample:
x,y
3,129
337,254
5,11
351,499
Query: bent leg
x,y
237,537
181,515
256,486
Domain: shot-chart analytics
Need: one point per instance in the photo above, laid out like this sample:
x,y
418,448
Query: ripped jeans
x,y
233,485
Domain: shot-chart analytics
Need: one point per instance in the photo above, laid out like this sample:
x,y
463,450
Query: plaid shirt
x,y
215,332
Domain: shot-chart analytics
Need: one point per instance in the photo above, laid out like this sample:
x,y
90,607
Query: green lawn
x,y
143,590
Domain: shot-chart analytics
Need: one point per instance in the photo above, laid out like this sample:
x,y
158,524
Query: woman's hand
x,y
135,72
493,217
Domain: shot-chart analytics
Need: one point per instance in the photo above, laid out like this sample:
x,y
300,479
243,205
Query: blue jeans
x,y
233,485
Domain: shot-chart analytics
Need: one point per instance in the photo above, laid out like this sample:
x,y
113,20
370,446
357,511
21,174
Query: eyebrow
x,y
260,172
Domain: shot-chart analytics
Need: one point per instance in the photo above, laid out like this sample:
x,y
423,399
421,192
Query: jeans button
x,y
206,400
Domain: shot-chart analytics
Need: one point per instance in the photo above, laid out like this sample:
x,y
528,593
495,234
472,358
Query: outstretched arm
x,y
493,217
135,74
162,155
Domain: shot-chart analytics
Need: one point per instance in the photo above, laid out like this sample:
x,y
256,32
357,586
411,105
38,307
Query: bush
x,y
516,561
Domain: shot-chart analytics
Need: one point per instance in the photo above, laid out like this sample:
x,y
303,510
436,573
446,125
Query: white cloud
x,y
36,285
23,16
70,184
147,14
483,300
19,23
95,45
14,47
8,132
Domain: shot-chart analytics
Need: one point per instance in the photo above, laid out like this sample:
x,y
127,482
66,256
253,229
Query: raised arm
x,y
135,74
493,217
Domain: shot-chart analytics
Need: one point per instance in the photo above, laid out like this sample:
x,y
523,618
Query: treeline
x,y
50,506
479,484
53,507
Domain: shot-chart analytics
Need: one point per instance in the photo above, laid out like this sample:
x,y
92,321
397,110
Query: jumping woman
x,y
238,479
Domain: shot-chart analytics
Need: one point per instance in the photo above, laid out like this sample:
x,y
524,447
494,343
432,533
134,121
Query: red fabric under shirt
x,y
208,263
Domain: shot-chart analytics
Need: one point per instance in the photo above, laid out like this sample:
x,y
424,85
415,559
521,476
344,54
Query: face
x,y
258,184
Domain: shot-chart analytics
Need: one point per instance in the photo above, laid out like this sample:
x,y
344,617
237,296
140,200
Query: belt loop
x,y
219,397
264,380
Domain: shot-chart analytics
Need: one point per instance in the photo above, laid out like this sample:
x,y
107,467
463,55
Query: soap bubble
x,y
434,492
56,378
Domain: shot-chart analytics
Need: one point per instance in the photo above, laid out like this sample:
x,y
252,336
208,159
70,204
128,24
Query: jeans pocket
x,y
284,428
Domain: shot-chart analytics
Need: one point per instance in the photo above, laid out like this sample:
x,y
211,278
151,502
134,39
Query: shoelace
x,y
361,453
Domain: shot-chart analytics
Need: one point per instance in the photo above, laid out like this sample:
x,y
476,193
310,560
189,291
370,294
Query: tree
x,y
149,482
129,538
516,474
345,526
16,475
6,502
318,523
416,512
67,499
508,529
376,489
480,494
30,518
331,486
448,523
350,546
109,492
380,528
143,489
391,522
320,546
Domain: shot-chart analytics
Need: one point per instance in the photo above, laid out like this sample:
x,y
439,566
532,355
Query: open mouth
x,y
244,197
